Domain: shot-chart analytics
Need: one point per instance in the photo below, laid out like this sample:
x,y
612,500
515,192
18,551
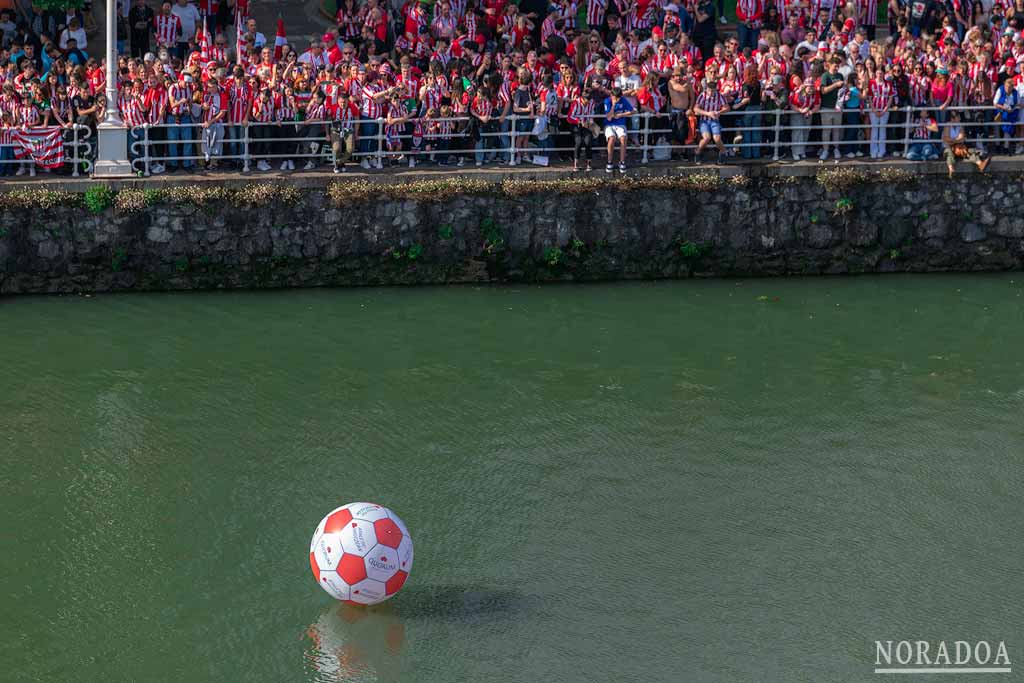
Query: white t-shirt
x,y
625,82
189,17
78,35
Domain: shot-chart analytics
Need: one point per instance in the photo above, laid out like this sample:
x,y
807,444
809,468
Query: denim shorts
x,y
710,127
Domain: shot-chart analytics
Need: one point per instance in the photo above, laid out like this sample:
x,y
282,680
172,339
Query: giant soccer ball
x,y
361,553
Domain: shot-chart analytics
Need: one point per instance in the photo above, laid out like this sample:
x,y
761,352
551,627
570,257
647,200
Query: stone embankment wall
x,y
355,233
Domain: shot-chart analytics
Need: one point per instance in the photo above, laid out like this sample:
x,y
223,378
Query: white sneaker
x,y
365,165
850,155
836,154
412,163
207,157
823,155
378,164
722,20
263,165
156,168
896,154
31,171
479,164
284,165
21,171
291,165
1019,149
310,165
858,154
462,162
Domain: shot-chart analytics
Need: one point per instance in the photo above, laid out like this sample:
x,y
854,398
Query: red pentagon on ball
x,y
313,565
387,533
351,569
337,521
395,582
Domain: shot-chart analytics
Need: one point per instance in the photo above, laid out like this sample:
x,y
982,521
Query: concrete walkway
x,y
498,173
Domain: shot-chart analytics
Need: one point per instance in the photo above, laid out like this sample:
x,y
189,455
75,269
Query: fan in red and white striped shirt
x,y
373,99
28,114
240,99
431,94
596,9
581,110
880,94
180,93
262,110
154,101
167,27
482,106
284,107
215,103
868,12
920,89
346,113
130,104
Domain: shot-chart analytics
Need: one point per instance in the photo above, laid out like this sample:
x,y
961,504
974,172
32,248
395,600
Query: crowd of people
x,y
482,81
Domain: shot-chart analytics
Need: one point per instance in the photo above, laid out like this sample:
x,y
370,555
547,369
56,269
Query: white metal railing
x,y
78,150
649,134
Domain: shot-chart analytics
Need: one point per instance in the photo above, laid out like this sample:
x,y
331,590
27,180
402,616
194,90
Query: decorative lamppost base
x,y
112,158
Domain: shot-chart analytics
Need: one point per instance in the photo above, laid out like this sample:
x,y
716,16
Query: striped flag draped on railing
x,y
44,145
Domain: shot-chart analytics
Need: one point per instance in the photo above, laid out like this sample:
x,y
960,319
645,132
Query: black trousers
x,y
582,140
281,147
263,137
140,43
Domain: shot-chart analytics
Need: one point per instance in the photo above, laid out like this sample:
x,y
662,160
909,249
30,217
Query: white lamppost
x,y
112,136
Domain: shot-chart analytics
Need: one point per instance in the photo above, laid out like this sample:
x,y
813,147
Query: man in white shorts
x,y
616,109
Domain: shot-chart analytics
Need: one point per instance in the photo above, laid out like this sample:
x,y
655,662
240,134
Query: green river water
x,y
638,482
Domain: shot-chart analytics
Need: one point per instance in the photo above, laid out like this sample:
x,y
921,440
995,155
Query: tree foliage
x,y
58,4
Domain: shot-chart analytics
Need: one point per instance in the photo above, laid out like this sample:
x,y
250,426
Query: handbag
x,y
540,128
960,150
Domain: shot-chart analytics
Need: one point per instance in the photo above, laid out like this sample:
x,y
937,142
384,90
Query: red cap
x,y
1011,62
849,24
328,37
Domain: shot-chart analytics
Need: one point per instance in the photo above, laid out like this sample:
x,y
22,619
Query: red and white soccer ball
x,y
361,553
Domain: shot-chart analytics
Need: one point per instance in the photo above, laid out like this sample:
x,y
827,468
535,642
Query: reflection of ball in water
x,y
361,553
357,644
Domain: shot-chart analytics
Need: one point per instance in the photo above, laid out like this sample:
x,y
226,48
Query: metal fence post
x,y
145,148
778,130
380,142
74,156
646,136
906,132
245,148
512,140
